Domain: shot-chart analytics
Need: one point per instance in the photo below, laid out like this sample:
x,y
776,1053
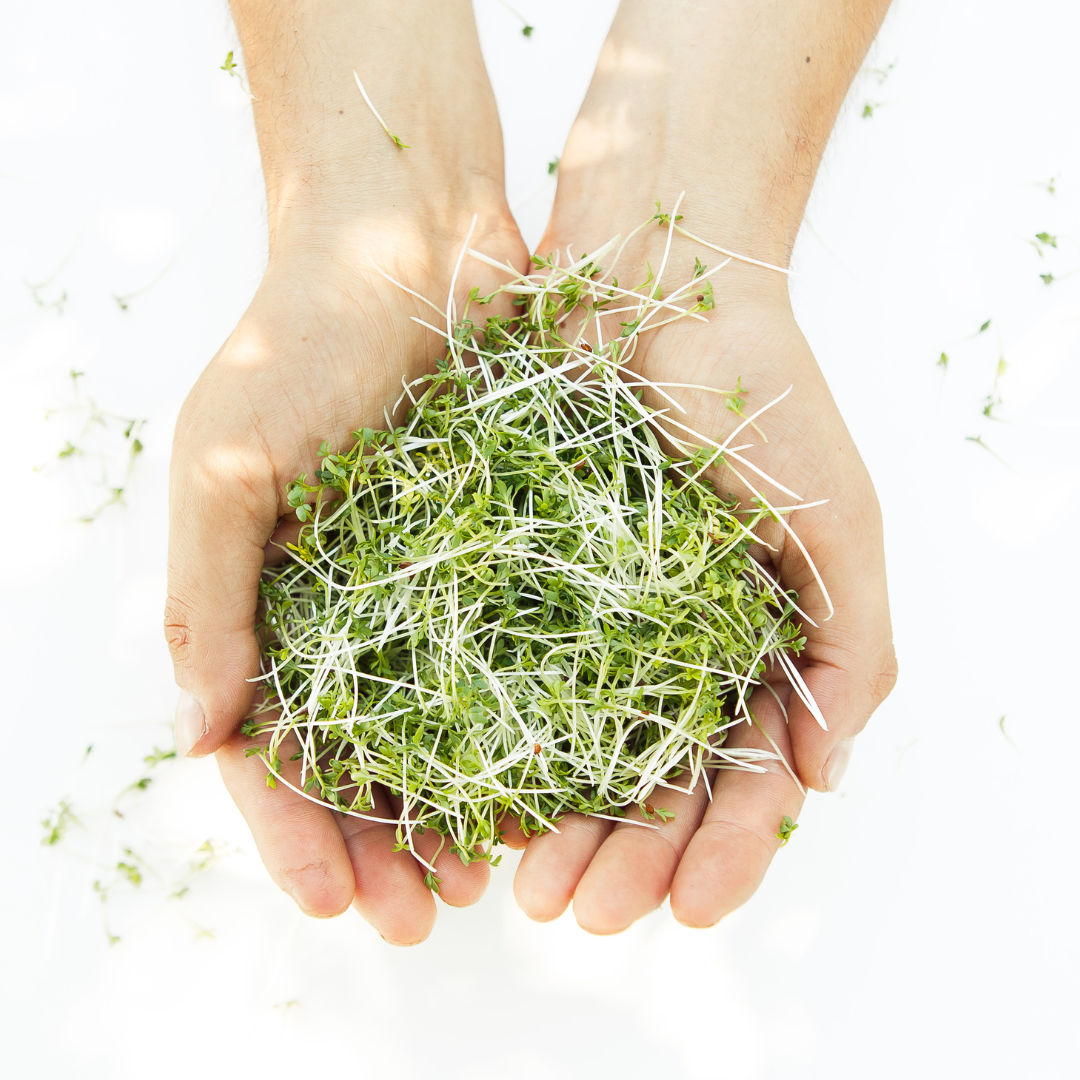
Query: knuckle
x,y
727,829
178,632
883,682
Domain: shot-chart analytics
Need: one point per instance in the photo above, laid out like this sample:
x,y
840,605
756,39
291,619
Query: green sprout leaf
x,y
57,824
787,827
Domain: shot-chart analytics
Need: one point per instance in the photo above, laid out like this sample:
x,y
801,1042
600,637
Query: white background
x,y
920,923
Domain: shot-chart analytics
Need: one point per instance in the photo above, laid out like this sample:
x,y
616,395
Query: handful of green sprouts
x,y
527,599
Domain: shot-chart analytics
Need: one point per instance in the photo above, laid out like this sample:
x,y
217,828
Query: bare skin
x,y
715,99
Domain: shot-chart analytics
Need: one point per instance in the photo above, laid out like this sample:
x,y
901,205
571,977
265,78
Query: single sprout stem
x,y
375,112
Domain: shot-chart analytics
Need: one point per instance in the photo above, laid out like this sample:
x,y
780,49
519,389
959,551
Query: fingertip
x,y
402,930
554,863
820,756
512,833
693,920
837,764
722,868
189,724
539,904
390,894
593,922
461,885
216,690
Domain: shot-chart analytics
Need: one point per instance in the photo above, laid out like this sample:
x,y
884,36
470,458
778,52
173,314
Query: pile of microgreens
x,y
527,599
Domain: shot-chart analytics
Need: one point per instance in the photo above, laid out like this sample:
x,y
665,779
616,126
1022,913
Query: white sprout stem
x,y
375,113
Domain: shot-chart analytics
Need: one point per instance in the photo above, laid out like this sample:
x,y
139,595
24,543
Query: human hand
x,y
321,352
638,135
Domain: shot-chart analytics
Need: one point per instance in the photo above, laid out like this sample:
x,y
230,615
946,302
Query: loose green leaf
x,y
787,827
57,824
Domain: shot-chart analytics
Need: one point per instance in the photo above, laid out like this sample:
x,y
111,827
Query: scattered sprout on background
x,y
113,839
56,303
880,76
57,823
526,29
230,67
1045,242
1001,728
978,440
104,444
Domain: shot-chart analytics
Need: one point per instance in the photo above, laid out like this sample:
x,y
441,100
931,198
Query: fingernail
x,y
189,725
837,764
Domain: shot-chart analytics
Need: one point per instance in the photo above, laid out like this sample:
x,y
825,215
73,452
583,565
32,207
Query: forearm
x,y
324,154
731,100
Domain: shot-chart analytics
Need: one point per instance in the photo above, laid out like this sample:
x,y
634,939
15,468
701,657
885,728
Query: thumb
x,y
222,511
849,664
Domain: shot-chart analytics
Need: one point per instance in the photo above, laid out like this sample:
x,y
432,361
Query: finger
x,y
223,509
632,872
512,832
390,890
459,884
727,857
299,841
554,863
286,532
849,664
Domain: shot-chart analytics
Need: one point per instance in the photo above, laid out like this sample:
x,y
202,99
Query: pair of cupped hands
x,y
322,351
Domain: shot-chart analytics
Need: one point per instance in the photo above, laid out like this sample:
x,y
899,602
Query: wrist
x,y
329,164
730,102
